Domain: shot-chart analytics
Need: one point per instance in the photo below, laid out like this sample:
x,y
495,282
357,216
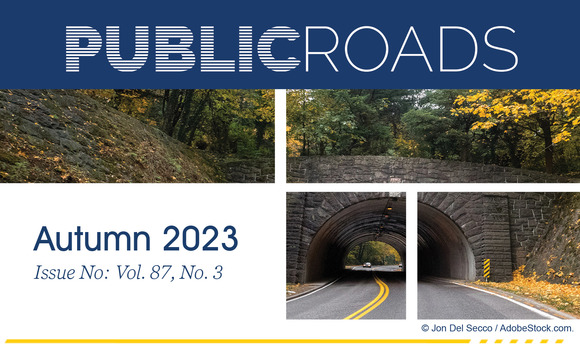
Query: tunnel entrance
x,y
443,249
380,219
372,253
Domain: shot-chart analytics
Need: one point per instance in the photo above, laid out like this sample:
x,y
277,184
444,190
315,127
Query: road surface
x,y
445,300
379,293
363,293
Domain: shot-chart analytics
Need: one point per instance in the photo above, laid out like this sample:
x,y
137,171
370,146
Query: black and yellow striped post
x,y
486,268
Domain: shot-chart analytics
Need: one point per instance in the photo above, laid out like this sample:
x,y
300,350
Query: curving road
x,y
446,300
363,293
379,293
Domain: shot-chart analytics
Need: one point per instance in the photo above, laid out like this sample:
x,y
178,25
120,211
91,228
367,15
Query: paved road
x,y
444,300
357,295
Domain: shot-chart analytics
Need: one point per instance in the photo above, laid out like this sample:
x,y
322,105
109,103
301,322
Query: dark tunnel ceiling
x,y
443,250
351,226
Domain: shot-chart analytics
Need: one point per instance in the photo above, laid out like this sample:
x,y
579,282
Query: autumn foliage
x,y
521,128
551,115
564,297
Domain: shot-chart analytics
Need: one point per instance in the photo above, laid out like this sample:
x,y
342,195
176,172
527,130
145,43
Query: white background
x,y
248,302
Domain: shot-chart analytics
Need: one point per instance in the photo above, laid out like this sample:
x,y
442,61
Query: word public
x,y
171,49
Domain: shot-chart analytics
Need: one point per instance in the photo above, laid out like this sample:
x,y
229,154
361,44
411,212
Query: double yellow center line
x,y
383,294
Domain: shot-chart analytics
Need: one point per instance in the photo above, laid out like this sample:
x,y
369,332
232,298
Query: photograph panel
x,y
345,255
433,136
498,255
137,135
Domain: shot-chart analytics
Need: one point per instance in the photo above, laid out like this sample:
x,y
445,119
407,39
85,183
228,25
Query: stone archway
x,y
457,231
358,223
322,228
443,249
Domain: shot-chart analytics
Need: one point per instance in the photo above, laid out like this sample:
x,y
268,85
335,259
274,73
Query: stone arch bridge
x,y
387,169
456,231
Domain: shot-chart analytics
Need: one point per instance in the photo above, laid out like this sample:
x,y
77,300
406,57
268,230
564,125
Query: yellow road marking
x,y
383,294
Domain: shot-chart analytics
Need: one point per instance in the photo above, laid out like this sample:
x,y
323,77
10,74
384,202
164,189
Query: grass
x,y
564,297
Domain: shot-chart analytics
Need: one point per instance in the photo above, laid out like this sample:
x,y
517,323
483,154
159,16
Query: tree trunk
x,y
172,110
548,145
260,127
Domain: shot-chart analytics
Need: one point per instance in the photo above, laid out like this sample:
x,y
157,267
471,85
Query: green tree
x,y
345,122
227,122
375,252
438,133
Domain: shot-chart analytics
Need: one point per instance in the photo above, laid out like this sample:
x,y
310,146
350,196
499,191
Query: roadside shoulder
x,y
525,300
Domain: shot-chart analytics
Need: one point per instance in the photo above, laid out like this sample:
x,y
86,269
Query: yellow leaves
x,y
460,100
483,125
562,136
293,145
563,296
408,147
514,103
526,109
482,112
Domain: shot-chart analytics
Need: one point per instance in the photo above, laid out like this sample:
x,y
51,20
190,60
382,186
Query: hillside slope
x,y
65,136
556,257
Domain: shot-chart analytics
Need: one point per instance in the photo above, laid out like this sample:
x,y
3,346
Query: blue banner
x,y
299,44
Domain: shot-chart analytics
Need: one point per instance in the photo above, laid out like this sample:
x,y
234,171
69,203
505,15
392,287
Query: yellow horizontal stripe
x,y
260,341
238,341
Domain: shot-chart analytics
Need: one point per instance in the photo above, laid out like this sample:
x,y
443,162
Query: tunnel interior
x,y
374,253
443,249
381,219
